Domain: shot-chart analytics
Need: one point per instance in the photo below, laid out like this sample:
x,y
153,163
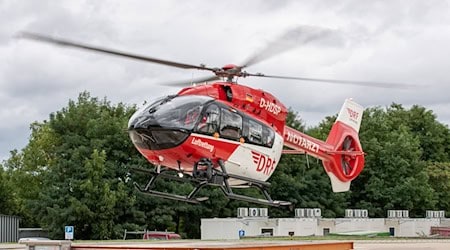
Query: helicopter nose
x,y
140,134
146,133
157,138
141,122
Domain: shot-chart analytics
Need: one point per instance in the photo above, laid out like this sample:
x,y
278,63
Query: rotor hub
x,y
230,66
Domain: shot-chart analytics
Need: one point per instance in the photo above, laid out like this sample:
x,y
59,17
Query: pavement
x,y
437,244
12,246
426,244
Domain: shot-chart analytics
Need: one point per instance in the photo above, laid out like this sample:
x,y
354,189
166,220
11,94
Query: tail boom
x,y
341,153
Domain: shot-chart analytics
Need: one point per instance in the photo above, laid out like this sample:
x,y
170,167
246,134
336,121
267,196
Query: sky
x,y
366,40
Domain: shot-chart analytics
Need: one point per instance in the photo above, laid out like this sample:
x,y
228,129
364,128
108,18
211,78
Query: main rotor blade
x,y
348,82
67,43
192,81
293,38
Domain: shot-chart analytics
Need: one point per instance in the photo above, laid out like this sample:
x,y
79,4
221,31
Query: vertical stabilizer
x,y
347,156
341,153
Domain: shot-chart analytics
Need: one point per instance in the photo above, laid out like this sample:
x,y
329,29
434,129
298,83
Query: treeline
x,y
75,170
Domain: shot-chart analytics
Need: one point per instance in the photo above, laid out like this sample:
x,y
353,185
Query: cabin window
x,y
230,124
255,132
258,133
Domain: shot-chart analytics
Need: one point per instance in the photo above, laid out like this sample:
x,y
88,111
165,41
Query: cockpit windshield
x,y
171,112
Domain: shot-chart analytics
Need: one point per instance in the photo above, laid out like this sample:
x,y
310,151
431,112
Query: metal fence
x,y
9,228
32,233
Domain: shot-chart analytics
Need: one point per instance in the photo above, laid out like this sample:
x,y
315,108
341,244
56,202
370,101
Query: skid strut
x,y
204,174
148,189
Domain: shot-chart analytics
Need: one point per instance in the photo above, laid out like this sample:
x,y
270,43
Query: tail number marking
x,y
269,106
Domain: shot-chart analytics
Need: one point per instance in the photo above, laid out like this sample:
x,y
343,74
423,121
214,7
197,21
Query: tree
x,y
394,176
27,167
434,137
8,204
439,178
86,155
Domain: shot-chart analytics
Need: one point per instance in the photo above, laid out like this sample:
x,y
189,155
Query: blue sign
x,y
68,232
241,233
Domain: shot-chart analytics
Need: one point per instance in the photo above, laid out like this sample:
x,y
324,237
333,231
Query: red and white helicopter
x,y
229,135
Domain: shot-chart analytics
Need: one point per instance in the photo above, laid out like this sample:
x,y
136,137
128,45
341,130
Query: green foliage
x,y
439,179
434,137
76,166
294,121
8,204
14,177
394,176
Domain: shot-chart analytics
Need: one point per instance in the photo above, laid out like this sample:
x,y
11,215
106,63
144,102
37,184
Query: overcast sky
x,y
391,41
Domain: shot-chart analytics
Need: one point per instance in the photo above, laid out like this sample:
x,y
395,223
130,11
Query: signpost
x,y
241,233
68,232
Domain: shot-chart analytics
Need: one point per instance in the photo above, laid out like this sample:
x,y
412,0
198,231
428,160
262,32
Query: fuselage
x,y
242,129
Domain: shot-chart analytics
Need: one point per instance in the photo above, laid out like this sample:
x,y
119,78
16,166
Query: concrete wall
x,y
412,227
299,226
445,222
228,228
9,228
358,224
212,229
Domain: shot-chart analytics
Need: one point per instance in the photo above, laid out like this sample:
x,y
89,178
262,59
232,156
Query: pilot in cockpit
x,y
209,122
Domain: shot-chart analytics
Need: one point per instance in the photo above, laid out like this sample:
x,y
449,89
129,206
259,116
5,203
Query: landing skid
x,y
205,175
148,189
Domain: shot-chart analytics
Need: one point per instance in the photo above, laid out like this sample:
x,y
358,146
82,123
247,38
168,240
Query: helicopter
x,y
228,135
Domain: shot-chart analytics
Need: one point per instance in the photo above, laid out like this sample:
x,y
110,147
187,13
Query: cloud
x,y
395,41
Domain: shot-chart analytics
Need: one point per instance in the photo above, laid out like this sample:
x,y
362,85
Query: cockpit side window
x,y
209,122
230,124
268,137
258,133
255,132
